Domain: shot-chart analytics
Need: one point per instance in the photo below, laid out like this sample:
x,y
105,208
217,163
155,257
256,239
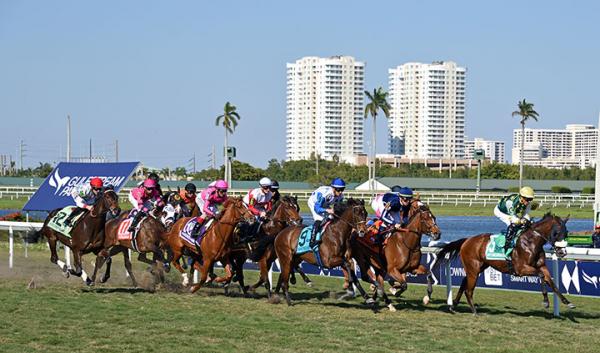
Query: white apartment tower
x,y
494,150
325,107
428,110
574,146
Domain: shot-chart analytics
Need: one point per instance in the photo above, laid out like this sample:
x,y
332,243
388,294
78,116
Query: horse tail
x,y
263,244
452,249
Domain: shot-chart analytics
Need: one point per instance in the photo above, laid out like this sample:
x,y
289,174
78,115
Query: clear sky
x,y
155,74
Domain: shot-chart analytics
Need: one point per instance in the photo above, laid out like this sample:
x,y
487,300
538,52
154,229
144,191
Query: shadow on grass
x,y
114,290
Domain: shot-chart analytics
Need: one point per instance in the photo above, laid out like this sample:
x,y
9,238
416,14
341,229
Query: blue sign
x,y
55,191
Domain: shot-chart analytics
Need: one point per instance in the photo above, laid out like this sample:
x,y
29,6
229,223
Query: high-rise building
x,y
494,150
428,110
574,146
325,108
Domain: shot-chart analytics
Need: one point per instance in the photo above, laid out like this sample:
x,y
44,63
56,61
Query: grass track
x,y
63,315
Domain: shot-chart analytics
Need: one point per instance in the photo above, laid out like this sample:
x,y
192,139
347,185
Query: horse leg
x,y
422,270
101,258
353,280
381,290
545,302
469,288
175,261
305,278
204,271
127,261
550,282
54,256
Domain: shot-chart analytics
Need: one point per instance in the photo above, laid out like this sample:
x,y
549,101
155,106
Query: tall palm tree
x,y
525,112
228,120
377,101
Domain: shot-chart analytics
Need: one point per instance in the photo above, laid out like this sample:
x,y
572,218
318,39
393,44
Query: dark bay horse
x,y
335,249
283,214
400,255
150,238
87,235
528,257
216,244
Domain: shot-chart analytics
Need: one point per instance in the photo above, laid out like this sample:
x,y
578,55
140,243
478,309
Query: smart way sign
x,y
56,190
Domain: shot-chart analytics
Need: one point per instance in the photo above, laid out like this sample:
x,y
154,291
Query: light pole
x,y
597,186
478,155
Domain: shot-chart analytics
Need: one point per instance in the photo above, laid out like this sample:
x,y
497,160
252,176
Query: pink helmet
x,y
149,183
221,185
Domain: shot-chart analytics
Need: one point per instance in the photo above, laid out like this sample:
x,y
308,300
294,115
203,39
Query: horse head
x,y
109,202
422,221
287,211
354,213
235,212
557,230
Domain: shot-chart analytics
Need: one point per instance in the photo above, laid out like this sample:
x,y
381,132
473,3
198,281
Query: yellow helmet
x,y
526,192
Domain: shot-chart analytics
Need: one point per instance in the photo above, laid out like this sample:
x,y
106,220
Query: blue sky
x,y
155,74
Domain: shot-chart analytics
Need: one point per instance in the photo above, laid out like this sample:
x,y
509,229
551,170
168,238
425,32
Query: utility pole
x,y
213,158
194,166
68,138
90,150
597,187
116,150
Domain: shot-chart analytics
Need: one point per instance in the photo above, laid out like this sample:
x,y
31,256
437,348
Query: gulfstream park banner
x,y
56,190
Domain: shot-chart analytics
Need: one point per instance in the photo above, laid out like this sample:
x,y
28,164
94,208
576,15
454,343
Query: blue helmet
x,y
338,183
396,189
405,192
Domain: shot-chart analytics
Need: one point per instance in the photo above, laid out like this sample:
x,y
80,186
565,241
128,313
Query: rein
x,y
94,215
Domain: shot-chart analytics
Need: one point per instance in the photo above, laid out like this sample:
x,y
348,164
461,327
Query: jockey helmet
x,y
149,183
96,183
275,185
396,189
189,187
338,183
406,192
153,176
221,185
265,182
526,192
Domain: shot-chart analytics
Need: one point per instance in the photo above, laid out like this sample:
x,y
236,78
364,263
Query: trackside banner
x,y
56,190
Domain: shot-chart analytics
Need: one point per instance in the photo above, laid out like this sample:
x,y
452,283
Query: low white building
x,y
494,150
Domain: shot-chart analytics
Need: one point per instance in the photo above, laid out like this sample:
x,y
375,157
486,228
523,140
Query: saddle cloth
x,y
57,222
304,238
122,231
495,247
186,231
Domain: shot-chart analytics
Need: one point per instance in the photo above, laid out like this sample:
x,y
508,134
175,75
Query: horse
x,y
87,235
150,238
284,213
528,257
335,249
216,244
401,254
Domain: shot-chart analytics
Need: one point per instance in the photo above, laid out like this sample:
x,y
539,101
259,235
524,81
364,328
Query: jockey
x,y
258,200
514,210
208,201
275,191
143,198
154,177
85,198
406,198
188,197
321,203
387,207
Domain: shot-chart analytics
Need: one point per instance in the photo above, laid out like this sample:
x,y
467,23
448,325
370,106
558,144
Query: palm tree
x,y
377,101
525,112
228,120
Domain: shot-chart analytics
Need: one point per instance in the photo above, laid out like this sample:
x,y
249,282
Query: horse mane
x,y
340,207
231,200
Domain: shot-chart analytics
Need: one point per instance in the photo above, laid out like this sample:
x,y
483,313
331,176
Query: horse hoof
x,y
426,300
89,282
546,305
104,279
293,280
370,301
392,308
393,291
452,309
309,284
167,268
66,274
571,306
372,287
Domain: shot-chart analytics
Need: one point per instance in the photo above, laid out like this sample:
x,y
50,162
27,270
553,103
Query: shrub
x,y
513,189
588,190
560,189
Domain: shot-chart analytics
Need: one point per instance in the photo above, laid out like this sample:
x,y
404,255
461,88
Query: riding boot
x,y
75,213
510,233
196,230
313,235
136,219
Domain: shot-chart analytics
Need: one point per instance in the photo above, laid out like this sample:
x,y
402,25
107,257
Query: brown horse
x,y
216,244
150,238
335,249
283,214
401,254
87,235
528,257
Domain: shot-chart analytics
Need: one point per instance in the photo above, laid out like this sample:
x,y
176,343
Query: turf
x,y
63,315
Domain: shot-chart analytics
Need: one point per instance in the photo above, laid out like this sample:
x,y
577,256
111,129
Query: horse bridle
x,y
94,215
356,223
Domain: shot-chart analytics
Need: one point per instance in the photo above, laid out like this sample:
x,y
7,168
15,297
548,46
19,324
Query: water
x,y
456,227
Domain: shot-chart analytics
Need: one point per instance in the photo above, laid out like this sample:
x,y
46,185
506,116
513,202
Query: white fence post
x,y
449,283
555,278
11,244
67,256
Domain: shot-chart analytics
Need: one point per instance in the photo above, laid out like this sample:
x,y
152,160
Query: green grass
x,y
63,315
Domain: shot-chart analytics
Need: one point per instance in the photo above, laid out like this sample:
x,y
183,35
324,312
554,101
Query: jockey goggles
x,y
339,189
529,199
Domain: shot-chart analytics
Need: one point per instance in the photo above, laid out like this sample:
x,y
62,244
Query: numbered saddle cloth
x,y
57,222
123,232
186,231
304,238
495,247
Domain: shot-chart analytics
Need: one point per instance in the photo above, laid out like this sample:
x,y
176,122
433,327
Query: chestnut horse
x,y
335,249
528,257
216,244
87,235
401,254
